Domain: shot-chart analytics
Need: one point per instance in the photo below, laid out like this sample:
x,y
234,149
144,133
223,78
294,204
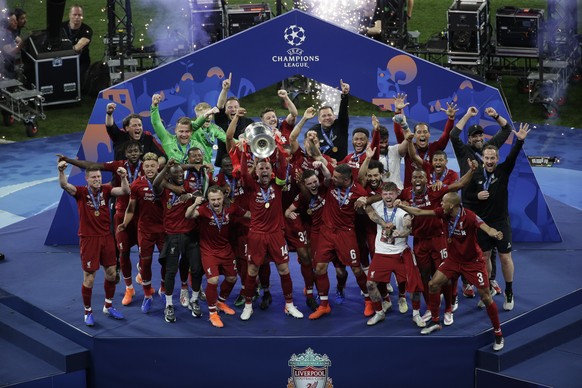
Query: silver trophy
x,y
261,140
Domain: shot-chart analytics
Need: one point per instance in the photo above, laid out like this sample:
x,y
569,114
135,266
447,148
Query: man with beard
x,y
232,187
489,188
355,159
423,148
132,129
181,243
176,146
474,150
464,257
126,238
215,218
429,242
309,159
236,151
266,238
269,117
150,232
95,240
370,177
338,238
389,156
227,109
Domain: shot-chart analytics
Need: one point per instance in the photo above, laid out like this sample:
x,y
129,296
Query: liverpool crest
x,y
309,370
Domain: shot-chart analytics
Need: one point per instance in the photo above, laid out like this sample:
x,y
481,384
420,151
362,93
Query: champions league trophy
x,y
260,139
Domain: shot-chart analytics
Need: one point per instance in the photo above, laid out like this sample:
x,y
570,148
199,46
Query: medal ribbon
x,y
412,192
185,154
173,198
96,202
454,224
266,195
328,139
132,177
312,202
443,175
342,200
356,157
220,222
232,184
488,178
151,188
209,137
391,218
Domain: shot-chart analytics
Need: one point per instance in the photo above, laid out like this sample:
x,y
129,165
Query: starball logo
x,y
295,36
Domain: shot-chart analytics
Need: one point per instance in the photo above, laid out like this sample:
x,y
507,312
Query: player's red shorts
x,y
216,266
128,238
475,272
295,233
428,251
95,251
147,241
337,243
383,265
262,245
239,241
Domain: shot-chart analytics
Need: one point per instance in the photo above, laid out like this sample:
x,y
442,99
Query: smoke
x,y
347,14
170,28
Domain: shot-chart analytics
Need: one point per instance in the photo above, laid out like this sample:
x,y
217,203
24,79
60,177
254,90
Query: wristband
x,y
496,116
109,114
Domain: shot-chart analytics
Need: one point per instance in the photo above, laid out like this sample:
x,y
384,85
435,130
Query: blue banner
x,y
296,43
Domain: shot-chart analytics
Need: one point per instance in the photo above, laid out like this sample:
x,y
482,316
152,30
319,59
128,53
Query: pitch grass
x,y
429,18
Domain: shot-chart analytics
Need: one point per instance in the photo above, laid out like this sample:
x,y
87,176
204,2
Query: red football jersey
x,y
149,206
425,227
462,235
175,221
339,209
94,218
215,229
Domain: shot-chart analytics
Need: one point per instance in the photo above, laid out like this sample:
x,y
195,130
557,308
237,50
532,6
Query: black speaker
x,y
517,27
241,17
468,27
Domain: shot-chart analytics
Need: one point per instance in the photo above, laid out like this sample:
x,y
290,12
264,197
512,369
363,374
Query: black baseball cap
x,y
475,130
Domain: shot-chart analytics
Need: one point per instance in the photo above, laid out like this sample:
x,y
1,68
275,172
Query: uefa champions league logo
x,y
294,35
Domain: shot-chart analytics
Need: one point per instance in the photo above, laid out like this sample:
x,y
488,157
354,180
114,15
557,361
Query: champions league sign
x,y
295,36
292,44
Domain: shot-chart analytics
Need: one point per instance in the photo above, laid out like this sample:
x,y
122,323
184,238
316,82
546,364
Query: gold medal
x,y
96,213
267,204
334,149
169,205
309,211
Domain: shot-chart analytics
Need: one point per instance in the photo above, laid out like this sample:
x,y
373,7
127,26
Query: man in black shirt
x,y
332,131
80,36
488,189
228,107
132,129
473,150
